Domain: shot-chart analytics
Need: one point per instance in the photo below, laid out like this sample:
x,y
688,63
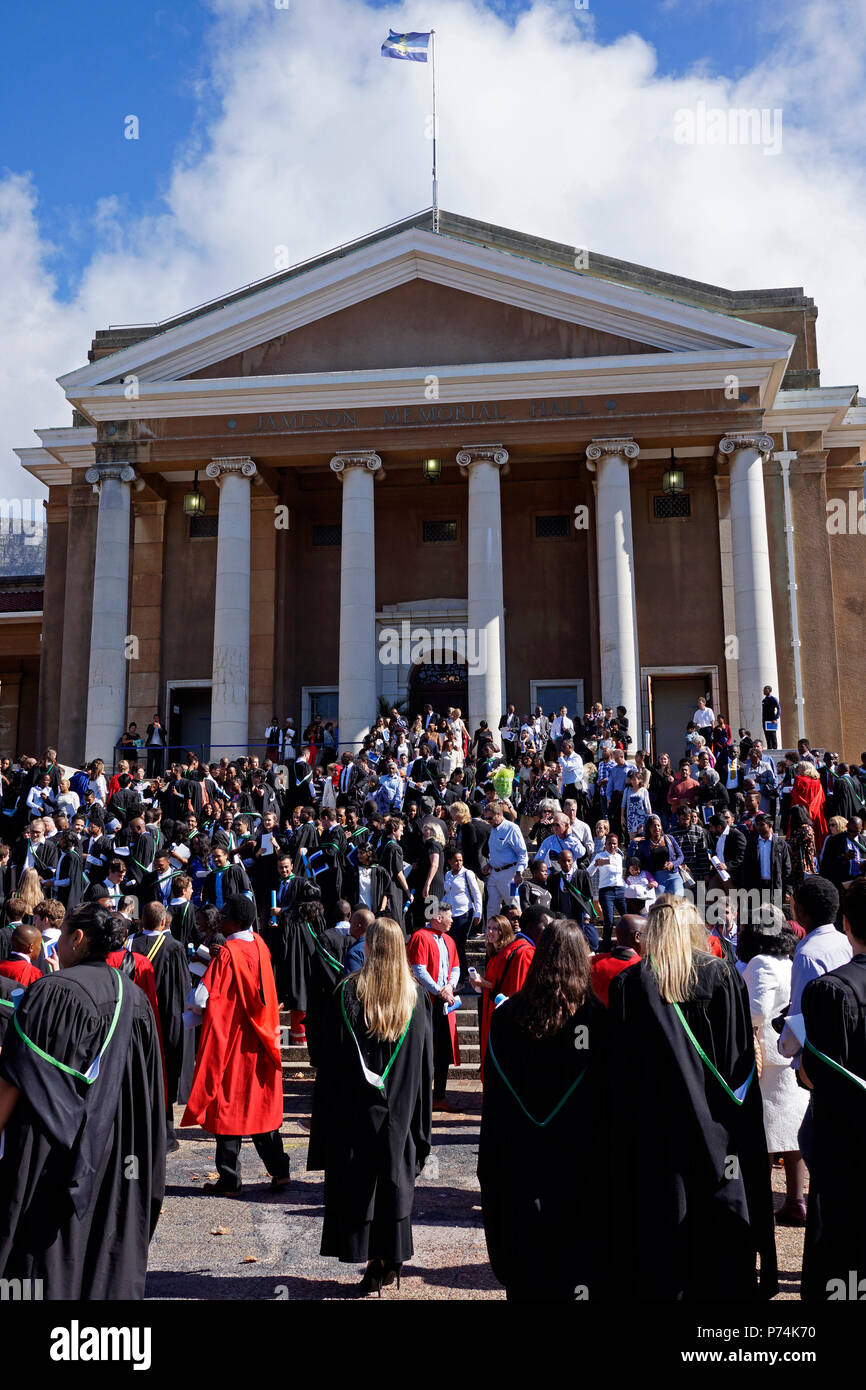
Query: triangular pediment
x,y
411,300
422,321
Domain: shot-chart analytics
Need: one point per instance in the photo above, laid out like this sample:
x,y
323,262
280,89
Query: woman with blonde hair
x,y
30,891
687,1121
372,1109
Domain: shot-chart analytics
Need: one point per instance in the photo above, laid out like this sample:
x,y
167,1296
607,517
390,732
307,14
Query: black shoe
x,y
172,1143
220,1189
372,1278
390,1273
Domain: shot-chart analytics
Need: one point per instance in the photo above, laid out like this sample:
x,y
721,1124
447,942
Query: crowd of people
x,y
674,993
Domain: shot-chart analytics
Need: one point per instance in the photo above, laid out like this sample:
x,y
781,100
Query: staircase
x,y
296,1061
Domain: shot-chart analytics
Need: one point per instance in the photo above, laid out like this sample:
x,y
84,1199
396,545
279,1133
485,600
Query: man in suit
x,y
33,851
420,781
728,844
844,854
767,861
542,728
509,725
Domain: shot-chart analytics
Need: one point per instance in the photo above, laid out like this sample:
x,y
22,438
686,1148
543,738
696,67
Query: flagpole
x,y
435,179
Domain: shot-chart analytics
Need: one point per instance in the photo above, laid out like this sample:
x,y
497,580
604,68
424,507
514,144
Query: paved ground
x,y
268,1243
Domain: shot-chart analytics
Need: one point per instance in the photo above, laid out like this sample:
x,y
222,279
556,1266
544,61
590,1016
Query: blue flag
x,y
411,46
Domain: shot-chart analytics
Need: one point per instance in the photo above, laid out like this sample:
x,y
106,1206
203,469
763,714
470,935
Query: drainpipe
x,y
785,457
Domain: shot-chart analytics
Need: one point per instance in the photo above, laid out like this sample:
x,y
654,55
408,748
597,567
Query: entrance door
x,y
672,702
440,684
189,722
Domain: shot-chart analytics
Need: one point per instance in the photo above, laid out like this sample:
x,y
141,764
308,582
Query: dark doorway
x,y
440,684
189,722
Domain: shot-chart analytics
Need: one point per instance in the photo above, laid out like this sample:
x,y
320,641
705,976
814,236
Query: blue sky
x,y
74,80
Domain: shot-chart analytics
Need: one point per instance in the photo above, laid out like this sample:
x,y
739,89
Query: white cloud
x,y
317,140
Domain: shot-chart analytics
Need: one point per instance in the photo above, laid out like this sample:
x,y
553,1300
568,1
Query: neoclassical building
x,y
466,466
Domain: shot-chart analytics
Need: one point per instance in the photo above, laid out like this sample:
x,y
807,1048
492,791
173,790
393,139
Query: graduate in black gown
x,y
83,1172
834,1067
544,1129
171,971
327,969
689,1155
372,1109
68,886
299,927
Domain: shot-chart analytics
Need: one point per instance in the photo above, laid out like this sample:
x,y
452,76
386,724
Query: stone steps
x,y
296,1061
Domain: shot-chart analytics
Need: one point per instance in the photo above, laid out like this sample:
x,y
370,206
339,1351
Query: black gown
x,y
689,1164
834,1011
292,944
371,1146
172,978
83,1174
327,968
546,1228
7,1008
390,858
183,925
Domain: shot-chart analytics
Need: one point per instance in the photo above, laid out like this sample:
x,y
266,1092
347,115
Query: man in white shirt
x,y
703,716
570,767
611,884
463,895
562,727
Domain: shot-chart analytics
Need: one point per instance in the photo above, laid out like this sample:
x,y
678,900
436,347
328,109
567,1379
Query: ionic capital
x,y
239,464
481,453
119,472
733,443
366,459
611,448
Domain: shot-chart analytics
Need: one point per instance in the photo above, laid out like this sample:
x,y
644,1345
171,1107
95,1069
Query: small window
x,y
204,528
551,527
439,532
328,535
667,505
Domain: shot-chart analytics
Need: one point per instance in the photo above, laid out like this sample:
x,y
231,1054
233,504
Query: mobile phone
x,y
473,973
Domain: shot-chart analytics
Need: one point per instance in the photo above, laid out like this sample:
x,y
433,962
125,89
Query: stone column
x,y
229,720
145,692
611,460
723,500
485,632
753,597
357,710
106,696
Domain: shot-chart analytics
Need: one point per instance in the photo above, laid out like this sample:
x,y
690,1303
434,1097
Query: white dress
x,y
768,979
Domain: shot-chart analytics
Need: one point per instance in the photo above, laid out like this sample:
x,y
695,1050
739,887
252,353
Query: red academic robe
x,y
238,1083
24,972
421,949
606,967
808,792
506,971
